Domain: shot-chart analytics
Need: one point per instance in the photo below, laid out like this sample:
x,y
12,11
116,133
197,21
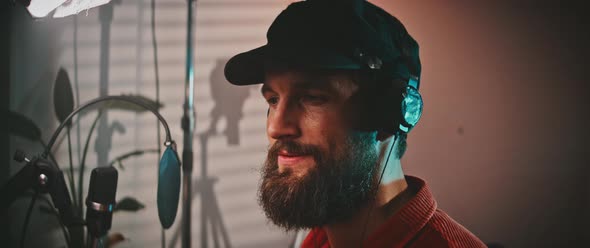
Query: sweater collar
x,y
400,228
409,220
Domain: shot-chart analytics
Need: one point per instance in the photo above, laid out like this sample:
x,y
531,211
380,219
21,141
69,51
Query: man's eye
x,y
272,100
314,99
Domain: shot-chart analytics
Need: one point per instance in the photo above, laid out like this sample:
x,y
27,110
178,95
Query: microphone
x,y
168,169
100,203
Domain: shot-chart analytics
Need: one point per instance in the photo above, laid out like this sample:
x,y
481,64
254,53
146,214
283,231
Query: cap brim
x,y
248,67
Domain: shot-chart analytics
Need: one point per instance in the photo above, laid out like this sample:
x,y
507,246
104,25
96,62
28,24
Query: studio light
x,y
60,8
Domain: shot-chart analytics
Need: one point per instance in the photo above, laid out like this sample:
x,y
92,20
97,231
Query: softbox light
x,y
60,8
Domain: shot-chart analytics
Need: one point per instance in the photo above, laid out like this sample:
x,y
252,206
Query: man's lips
x,y
289,159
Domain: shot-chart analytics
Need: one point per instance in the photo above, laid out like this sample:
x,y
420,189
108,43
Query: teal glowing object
x,y
168,187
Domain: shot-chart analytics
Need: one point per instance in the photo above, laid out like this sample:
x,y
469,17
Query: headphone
x,y
407,107
394,86
390,105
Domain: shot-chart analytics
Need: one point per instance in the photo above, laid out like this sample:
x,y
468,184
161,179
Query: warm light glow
x,y
40,8
76,6
63,8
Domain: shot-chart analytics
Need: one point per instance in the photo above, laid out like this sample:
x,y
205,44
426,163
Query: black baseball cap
x,y
331,34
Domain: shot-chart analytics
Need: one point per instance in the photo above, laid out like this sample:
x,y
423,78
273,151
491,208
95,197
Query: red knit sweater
x,y
417,224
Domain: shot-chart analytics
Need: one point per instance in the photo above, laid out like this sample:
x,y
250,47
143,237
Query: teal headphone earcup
x,y
168,187
411,109
393,109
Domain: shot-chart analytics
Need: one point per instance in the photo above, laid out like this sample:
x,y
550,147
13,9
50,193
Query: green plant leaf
x,y
63,98
22,126
83,163
128,204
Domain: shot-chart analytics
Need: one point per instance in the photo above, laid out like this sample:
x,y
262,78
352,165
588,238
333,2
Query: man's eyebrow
x,y
313,85
265,89
301,85
305,84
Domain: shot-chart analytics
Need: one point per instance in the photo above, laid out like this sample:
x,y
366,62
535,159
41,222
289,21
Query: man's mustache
x,y
293,147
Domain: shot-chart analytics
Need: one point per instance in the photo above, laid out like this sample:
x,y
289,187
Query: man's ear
x,y
383,135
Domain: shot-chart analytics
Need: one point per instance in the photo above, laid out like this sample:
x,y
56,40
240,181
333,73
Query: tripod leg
x,y
204,196
213,222
176,234
217,218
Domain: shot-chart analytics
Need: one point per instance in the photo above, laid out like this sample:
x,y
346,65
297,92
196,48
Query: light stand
x,y
188,127
210,213
104,135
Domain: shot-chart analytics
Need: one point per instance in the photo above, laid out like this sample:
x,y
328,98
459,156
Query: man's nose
x,y
283,122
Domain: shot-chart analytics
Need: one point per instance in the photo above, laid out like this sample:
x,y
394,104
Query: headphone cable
x,y
377,190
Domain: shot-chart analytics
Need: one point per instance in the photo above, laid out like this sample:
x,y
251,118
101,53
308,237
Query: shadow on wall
x,y
228,104
229,101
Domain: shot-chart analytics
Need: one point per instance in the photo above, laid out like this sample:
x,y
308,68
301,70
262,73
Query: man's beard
x,y
340,183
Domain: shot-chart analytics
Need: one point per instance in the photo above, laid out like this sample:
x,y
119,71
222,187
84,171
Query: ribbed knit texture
x,y
417,224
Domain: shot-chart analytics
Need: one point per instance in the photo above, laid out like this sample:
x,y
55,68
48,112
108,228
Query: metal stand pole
x,y
104,134
188,127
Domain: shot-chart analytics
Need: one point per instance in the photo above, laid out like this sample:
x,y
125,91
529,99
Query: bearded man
x,y
341,80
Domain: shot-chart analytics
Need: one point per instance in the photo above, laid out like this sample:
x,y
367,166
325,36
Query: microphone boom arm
x,y
168,141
